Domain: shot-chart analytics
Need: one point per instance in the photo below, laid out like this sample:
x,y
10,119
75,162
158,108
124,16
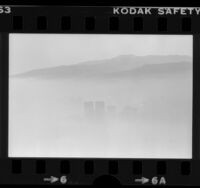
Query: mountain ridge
x,y
108,66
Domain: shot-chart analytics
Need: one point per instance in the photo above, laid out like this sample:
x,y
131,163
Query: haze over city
x,y
117,96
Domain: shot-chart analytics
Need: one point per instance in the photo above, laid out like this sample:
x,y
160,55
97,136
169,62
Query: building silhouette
x,y
94,110
99,110
89,109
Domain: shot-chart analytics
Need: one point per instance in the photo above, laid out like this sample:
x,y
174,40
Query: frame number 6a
x,y
158,181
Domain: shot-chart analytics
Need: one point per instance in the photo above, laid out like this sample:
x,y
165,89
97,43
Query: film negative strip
x,y
99,95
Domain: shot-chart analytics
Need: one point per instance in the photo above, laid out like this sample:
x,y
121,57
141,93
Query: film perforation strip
x,y
185,168
138,24
65,23
65,167
89,167
17,22
16,166
113,167
186,24
162,24
137,167
114,24
41,23
161,168
90,23
40,166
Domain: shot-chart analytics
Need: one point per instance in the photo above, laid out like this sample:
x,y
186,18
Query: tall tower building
x,y
89,109
99,110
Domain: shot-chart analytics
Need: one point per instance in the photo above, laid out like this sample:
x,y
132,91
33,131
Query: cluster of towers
x,y
98,110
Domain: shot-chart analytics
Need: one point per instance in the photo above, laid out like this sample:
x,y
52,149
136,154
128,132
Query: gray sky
x,y
35,51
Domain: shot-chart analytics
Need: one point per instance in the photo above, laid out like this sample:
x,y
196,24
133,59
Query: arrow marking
x,y
142,180
52,179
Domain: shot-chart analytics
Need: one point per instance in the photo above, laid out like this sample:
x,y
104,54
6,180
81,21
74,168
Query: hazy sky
x,y
35,51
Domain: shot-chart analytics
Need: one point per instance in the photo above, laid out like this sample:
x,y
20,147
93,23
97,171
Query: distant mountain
x,y
155,70
120,65
130,58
